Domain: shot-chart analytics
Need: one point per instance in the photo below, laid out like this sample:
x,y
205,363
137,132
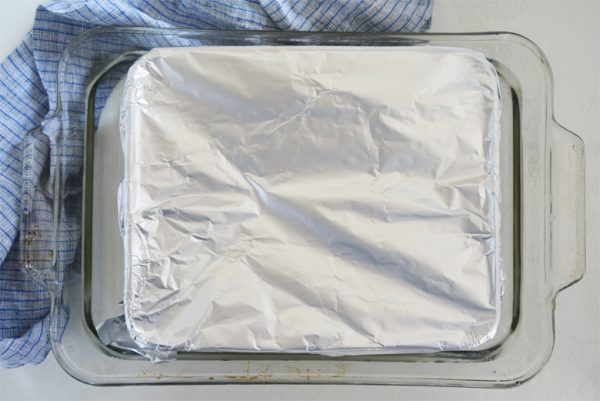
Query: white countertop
x,y
569,34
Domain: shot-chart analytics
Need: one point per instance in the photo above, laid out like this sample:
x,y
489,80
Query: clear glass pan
x,y
542,226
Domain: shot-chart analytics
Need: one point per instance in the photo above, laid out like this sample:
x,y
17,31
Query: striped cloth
x,y
28,99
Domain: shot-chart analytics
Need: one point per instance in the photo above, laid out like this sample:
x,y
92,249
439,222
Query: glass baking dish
x,y
541,169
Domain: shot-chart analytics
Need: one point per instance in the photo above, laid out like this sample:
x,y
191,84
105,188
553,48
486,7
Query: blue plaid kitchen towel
x,y
28,99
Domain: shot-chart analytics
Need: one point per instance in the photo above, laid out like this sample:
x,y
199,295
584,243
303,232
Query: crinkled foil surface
x,y
335,200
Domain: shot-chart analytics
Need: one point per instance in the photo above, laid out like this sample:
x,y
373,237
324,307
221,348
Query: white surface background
x,y
569,34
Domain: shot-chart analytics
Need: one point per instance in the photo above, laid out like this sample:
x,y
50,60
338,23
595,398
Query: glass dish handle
x,y
567,213
37,256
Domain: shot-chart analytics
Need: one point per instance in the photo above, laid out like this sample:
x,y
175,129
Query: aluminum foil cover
x,y
335,200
